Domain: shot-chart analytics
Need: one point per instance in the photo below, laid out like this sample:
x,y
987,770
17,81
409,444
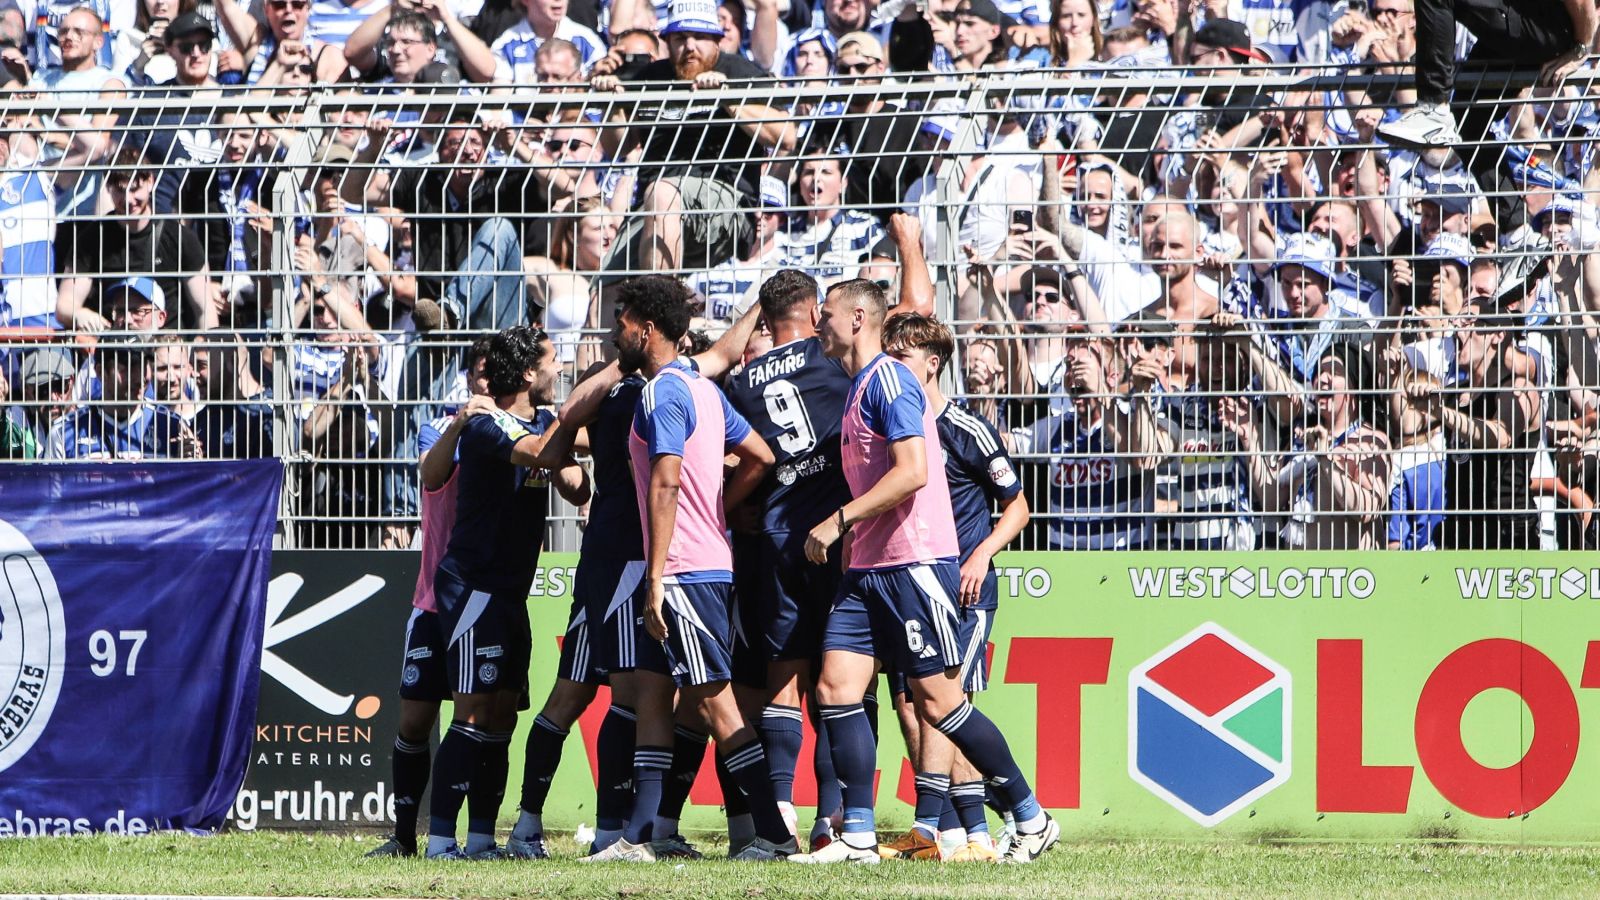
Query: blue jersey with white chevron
x,y
317,368
1096,499
793,396
90,432
1417,502
332,21
980,474
28,264
515,48
833,249
1026,12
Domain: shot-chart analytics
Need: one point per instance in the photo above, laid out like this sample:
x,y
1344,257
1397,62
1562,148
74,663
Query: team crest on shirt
x,y
33,650
1001,473
9,193
786,475
488,672
410,675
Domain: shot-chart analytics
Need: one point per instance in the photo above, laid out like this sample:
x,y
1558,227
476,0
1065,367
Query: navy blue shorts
x,y
781,601
904,616
578,660
605,586
488,639
973,635
422,673
699,645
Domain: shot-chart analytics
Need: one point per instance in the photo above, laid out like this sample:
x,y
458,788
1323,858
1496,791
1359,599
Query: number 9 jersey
x,y
793,396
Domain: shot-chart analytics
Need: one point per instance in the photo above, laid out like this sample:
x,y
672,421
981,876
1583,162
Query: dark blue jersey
x,y
150,432
613,528
793,396
980,474
500,507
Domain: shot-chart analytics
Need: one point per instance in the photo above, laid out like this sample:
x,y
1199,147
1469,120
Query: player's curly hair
x,y
785,292
511,354
660,300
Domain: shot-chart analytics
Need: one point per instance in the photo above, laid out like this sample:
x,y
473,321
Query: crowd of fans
x,y
1210,307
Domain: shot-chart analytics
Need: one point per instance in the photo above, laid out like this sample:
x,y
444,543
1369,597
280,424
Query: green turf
x,y
332,865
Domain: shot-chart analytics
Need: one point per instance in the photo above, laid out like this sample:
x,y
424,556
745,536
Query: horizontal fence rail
x,y
1204,309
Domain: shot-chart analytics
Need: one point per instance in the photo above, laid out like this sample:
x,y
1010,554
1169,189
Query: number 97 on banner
x,y
103,648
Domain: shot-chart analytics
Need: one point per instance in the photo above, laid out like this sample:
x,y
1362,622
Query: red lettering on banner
x,y
1344,782
1060,667
1591,667
1525,785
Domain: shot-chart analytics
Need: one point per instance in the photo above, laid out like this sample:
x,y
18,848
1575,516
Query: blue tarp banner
x,y
131,617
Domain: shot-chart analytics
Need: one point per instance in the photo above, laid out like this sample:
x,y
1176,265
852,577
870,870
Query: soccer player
x,y
599,642
482,583
980,475
793,395
897,603
423,684
682,430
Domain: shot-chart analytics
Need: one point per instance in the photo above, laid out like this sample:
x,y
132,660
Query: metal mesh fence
x,y
1205,308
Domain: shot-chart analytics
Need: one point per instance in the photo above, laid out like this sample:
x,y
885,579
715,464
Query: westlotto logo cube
x,y
1208,724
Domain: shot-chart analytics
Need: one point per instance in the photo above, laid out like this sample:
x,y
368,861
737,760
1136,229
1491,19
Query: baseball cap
x,y
1453,196
188,24
1147,324
1450,247
692,17
47,364
861,44
438,73
944,120
332,153
1560,203
1038,276
144,289
982,9
1312,252
1227,34
774,192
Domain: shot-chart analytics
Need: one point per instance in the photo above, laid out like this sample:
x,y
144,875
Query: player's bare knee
x,y
567,701
417,718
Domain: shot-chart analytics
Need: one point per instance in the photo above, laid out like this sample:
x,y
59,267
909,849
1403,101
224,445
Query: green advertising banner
x,y
1242,696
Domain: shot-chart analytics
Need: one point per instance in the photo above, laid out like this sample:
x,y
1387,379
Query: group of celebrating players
x,y
852,551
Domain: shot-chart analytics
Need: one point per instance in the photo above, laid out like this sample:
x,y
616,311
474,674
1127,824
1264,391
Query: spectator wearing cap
x,y
1332,486
394,46
1050,311
277,48
123,424
131,242
811,56
877,133
351,240
136,304
730,287
980,40
47,383
179,133
1312,323
686,214
1430,293
516,48
1098,455
828,241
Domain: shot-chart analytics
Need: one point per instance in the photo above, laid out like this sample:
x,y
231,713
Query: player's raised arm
x,y
755,457
729,348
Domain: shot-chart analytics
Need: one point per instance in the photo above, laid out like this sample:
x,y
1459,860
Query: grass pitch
x,y
280,864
